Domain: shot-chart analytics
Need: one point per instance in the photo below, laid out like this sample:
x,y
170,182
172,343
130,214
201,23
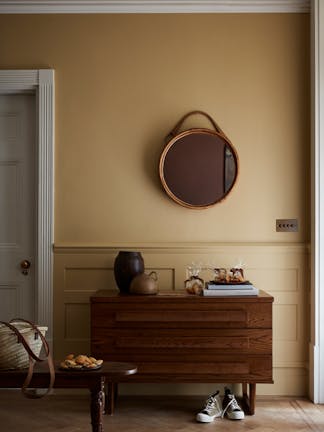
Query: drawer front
x,y
245,315
222,316
177,341
221,369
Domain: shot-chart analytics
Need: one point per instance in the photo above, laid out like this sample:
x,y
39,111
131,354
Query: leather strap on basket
x,y
33,358
177,127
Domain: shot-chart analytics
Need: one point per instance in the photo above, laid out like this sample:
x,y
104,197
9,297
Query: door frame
x,y
41,83
316,344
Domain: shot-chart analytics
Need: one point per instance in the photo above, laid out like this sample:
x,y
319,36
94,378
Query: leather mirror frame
x,y
189,166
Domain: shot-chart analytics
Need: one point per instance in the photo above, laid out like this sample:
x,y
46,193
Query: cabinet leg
x,y
252,398
111,397
249,399
244,390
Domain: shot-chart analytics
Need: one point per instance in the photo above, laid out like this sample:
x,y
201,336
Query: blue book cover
x,y
230,292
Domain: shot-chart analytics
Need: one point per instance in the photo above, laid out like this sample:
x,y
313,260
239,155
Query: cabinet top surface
x,y
103,296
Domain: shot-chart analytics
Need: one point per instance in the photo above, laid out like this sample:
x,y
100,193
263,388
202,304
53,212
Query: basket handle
x,y
176,128
22,340
33,357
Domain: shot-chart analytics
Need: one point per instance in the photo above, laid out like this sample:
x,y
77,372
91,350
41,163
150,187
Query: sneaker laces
x,y
210,404
232,403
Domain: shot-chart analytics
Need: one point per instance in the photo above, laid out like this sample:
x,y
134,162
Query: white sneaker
x,y
230,406
213,409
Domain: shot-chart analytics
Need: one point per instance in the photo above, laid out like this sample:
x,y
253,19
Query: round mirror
x,y
198,168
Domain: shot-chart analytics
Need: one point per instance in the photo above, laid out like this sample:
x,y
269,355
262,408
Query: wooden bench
x,y
94,380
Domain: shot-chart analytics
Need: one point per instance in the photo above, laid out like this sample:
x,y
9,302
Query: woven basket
x,y
13,355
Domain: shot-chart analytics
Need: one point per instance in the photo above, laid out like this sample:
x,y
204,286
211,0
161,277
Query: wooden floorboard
x,y
70,413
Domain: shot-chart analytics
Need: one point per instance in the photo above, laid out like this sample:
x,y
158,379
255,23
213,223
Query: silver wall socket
x,y
287,225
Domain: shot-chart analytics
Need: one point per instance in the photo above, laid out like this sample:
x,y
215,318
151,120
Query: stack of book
x,y
214,289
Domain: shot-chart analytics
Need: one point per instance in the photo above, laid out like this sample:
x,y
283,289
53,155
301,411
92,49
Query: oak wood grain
x,y
176,337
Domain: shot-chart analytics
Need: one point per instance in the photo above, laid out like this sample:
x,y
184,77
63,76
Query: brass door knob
x,y
25,265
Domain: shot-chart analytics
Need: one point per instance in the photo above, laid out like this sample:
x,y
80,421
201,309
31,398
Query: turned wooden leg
x,y
97,405
111,399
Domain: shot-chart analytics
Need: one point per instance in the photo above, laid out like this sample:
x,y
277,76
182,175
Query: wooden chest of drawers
x,y
175,337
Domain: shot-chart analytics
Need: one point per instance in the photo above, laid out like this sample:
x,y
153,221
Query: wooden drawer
x,y
221,369
174,316
174,341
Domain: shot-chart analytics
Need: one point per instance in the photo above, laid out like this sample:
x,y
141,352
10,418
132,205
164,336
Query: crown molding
x,y
153,6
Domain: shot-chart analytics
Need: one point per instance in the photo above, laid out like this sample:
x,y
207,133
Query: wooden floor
x,y
70,413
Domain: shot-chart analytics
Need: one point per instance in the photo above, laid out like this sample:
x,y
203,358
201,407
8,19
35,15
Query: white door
x,y
17,206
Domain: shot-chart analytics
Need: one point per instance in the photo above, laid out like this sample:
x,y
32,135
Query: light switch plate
x,y
287,225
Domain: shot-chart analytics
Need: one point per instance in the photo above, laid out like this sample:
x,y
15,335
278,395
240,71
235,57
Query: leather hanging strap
x,y
177,127
31,394
33,358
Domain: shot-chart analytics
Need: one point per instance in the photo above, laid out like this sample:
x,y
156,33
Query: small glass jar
x,y
238,274
194,284
221,275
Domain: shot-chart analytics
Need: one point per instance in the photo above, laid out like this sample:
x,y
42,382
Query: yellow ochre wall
x,y
122,82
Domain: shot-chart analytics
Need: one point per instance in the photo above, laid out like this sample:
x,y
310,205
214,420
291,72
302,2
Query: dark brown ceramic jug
x,y
127,265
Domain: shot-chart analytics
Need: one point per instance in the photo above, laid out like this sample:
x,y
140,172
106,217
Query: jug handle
x,y
153,275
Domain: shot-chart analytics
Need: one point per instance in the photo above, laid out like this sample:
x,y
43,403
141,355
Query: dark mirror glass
x,y
198,168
